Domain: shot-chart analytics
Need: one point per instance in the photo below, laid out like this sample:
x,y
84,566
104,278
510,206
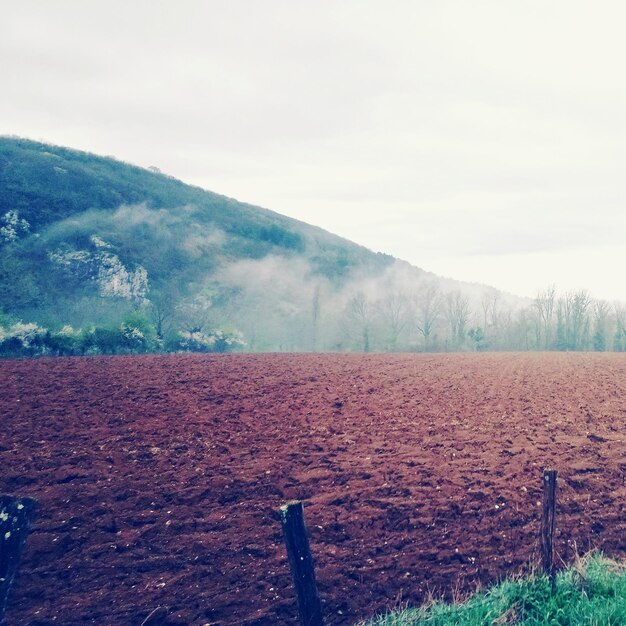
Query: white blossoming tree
x,y
23,339
213,341
12,227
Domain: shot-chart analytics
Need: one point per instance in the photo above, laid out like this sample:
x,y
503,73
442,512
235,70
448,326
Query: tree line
x,y
430,320
424,318
134,334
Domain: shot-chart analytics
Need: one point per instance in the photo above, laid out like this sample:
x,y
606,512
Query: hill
x,y
89,241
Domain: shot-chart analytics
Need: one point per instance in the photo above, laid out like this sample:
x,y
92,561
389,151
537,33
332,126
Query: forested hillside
x,y
100,256
86,240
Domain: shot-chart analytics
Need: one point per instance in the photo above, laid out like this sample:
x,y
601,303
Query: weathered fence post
x,y
16,515
301,562
548,522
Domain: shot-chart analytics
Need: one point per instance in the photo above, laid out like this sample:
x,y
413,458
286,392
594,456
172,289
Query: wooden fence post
x,y
548,523
16,515
301,562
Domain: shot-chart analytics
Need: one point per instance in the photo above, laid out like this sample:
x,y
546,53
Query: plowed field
x,y
159,478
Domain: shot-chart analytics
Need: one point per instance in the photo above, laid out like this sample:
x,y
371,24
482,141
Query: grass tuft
x,y
592,592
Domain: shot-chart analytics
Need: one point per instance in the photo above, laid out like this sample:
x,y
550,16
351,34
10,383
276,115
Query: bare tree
x,y
507,328
457,314
162,305
315,314
489,304
544,303
619,340
572,312
358,315
162,310
394,313
196,314
601,310
428,309
580,319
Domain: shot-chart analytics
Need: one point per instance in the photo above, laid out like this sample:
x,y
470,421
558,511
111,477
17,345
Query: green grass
x,y
592,592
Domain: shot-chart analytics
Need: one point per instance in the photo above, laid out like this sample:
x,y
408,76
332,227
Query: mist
x,y
190,284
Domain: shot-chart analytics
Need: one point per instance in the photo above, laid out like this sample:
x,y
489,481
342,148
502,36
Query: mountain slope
x,y
47,184
87,240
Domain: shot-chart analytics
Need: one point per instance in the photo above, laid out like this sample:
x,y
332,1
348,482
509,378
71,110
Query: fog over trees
x,y
279,304
97,256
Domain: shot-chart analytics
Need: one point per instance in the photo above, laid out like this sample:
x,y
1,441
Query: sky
x,y
483,141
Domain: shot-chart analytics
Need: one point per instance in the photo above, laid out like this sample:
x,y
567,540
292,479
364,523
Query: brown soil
x,y
159,478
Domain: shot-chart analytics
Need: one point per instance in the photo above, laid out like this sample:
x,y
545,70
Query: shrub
x,y
214,341
65,342
23,340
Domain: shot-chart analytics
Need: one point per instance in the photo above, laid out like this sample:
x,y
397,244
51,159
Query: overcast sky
x,y
481,140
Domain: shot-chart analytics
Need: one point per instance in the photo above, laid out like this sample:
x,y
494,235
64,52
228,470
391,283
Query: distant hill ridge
x,y
47,183
91,243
